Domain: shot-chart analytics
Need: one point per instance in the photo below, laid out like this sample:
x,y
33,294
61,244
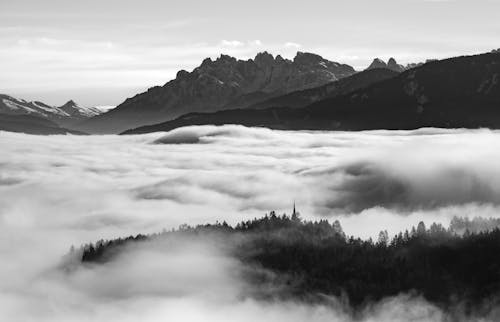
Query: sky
x,y
101,52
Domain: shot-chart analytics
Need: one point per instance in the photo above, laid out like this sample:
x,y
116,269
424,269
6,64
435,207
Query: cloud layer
x,y
63,190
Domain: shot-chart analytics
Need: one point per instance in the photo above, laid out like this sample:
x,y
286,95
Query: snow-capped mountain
x,y
75,110
12,105
68,113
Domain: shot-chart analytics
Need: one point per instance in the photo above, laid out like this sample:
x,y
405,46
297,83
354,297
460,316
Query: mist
x,y
58,191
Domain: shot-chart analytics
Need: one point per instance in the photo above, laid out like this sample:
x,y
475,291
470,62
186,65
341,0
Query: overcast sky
x,y
100,52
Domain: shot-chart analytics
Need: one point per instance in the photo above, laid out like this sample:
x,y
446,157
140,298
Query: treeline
x,y
458,264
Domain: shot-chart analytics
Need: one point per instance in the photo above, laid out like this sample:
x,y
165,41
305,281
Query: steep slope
x,y
221,84
452,93
343,86
31,124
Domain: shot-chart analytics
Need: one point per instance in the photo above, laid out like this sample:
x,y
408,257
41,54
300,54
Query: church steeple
x,y
295,214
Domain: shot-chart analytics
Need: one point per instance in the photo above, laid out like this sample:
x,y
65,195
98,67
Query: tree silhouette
x,y
309,258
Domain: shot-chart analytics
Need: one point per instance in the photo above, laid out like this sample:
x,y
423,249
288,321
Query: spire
x,y
295,214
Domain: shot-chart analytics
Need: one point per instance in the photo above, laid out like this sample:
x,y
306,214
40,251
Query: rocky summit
x,y
220,84
391,64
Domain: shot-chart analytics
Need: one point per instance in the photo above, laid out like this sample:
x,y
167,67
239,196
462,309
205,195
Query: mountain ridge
x,y
66,114
456,92
220,84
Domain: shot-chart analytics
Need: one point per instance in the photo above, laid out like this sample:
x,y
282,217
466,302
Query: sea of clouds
x,y
58,191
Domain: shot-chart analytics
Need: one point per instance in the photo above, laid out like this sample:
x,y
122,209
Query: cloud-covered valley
x,y
58,191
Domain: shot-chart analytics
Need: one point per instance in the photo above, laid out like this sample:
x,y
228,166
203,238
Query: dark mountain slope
x,y
451,93
31,125
217,85
457,92
343,86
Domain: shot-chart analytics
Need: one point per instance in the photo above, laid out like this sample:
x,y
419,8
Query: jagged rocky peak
x,y
377,63
225,59
70,103
307,58
391,64
264,59
70,106
280,59
207,61
223,83
222,60
77,111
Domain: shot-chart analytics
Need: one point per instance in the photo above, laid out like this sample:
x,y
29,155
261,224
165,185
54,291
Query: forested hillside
x,y
445,265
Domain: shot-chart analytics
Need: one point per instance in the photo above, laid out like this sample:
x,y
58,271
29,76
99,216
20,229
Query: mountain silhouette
x,y
460,92
224,83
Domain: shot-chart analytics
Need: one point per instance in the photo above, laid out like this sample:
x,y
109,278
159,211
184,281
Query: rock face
x,y
391,64
461,92
65,115
221,84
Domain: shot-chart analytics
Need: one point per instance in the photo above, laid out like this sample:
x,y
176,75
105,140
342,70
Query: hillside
x,y
308,260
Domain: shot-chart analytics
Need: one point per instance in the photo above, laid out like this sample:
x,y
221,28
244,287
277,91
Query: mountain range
x,y
20,115
451,93
306,93
224,83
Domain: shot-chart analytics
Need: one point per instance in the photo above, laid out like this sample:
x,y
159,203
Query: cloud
x,y
59,191
366,185
256,42
231,43
292,45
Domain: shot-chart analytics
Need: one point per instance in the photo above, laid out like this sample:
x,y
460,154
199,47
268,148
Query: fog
x,y
58,191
